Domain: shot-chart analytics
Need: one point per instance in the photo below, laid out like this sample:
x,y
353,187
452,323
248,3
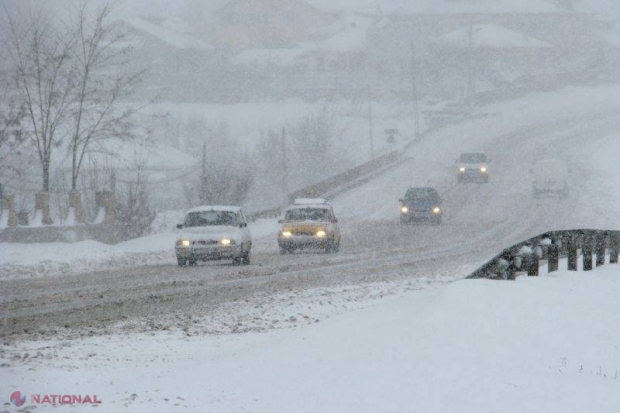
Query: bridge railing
x,y
526,256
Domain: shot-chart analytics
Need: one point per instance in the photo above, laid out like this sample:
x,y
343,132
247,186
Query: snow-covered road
x,y
479,220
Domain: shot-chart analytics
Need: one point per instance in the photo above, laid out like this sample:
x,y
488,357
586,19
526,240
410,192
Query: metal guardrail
x,y
550,246
318,189
329,185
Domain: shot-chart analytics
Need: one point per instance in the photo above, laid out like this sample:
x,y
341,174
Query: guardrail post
x,y
7,210
510,271
600,249
614,248
572,246
553,259
587,252
532,264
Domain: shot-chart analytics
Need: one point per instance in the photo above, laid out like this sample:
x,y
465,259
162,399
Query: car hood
x,y
304,226
209,233
472,165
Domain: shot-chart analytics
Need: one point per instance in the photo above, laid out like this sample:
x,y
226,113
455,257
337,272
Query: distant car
x,y
309,223
421,204
214,233
472,167
550,178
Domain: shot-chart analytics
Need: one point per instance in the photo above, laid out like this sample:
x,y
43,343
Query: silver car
x,y
214,233
472,167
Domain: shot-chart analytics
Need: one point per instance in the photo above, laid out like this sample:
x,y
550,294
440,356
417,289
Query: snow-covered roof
x,y
217,208
309,201
314,206
489,36
167,35
439,6
280,57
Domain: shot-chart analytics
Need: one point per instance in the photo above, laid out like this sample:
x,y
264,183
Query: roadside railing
x,y
318,189
526,256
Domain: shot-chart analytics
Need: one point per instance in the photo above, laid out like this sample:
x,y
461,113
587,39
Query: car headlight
x,y
226,241
184,242
320,233
483,169
404,210
436,210
461,169
286,234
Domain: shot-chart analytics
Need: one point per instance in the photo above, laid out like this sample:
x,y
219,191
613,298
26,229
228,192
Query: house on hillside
x,y
336,59
412,29
265,24
486,57
331,62
172,58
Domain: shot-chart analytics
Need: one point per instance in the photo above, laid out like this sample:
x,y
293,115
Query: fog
x,y
270,189
284,94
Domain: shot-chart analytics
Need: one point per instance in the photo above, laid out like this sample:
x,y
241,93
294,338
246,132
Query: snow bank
x,y
538,344
23,260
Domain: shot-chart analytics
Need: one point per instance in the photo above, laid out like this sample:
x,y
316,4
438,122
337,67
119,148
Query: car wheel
x,y
283,250
192,262
403,220
336,247
181,261
245,260
459,179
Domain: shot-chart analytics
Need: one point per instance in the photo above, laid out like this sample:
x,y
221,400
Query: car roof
x,y
427,189
473,155
309,201
218,208
308,206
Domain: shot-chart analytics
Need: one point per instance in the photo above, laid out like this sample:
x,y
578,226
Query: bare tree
x,y
74,82
312,149
133,210
100,108
41,58
11,135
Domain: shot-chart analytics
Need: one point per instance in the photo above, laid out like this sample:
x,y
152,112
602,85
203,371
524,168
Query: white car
x,y
472,167
550,178
214,233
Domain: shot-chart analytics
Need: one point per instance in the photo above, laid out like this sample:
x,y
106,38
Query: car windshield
x,y
473,158
306,214
422,195
210,218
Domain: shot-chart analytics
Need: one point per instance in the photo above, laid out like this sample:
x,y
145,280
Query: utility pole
x,y
414,83
202,196
469,94
284,164
370,137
